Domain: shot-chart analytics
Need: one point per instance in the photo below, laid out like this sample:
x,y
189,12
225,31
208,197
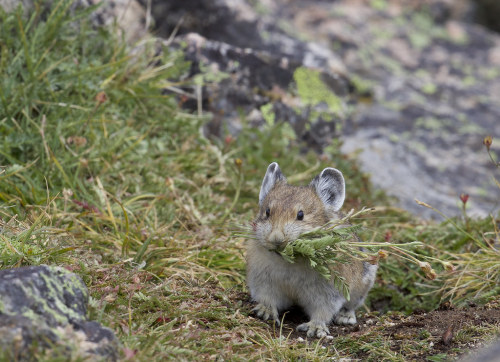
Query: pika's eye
x,y
300,215
268,212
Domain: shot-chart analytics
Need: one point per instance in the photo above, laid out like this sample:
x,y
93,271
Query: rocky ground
x,y
420,85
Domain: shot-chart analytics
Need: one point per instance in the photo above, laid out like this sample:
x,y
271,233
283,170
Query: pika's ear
x,y
273,175
330,187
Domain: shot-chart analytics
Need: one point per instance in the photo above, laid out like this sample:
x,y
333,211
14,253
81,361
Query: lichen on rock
x,y
43,313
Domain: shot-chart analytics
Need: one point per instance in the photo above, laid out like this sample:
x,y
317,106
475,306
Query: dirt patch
x,y
448,331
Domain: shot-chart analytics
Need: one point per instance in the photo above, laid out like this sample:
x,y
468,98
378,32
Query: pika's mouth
x,y
277,246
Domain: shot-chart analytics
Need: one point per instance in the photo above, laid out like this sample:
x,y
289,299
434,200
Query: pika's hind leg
x,y
347,314
345,317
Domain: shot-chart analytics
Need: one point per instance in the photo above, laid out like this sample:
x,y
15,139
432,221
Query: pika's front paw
x,y
265,312
345,317
314,329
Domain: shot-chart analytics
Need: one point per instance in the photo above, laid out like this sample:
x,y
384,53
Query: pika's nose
x,y
276,237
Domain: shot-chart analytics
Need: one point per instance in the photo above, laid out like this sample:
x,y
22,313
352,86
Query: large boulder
x,y
43,313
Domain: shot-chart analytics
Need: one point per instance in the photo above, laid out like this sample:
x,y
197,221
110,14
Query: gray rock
x,y
487,354
239,24
253,79
426,93
43,313
260,59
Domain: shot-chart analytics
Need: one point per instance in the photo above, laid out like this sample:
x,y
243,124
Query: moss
x,y
419,40
379,4
394,138
430,123
418,146
268,113
313,91
469,81
362,85
491,73
471,128
429,88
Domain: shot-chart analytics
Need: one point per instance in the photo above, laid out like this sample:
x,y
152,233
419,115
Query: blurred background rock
x,y
415,84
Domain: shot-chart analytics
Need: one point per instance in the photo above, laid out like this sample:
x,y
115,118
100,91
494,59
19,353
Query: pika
x,y
285,212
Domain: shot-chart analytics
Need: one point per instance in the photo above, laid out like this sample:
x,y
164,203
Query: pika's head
x,y
286,211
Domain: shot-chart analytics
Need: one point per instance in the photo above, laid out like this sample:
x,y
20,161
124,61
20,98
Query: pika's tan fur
x,y
276,284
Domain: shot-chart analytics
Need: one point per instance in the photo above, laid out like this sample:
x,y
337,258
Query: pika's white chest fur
x,y
290,283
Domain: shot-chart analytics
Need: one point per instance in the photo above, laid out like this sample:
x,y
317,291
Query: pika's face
x,y
286,212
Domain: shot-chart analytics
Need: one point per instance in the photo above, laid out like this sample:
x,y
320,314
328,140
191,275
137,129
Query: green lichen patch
x,y
50,294
313,91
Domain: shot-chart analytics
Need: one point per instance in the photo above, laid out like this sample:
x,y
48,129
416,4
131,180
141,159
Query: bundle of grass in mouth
x,y
337,242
